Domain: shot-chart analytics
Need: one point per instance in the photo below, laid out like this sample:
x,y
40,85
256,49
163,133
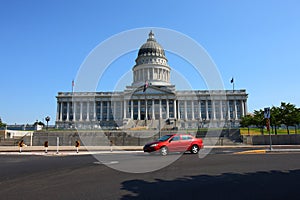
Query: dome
x,y
151,47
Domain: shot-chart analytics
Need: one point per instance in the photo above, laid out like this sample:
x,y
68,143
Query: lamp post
x,y
47,120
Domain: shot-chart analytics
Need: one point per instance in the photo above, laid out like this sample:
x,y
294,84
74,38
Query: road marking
x,y
106,162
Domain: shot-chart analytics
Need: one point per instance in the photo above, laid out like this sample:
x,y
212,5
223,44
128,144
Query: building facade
x,y
151,101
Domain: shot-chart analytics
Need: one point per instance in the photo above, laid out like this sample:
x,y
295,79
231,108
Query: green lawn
x,y
257,131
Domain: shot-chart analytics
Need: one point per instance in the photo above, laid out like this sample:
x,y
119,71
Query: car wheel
x,y
164,151
195,149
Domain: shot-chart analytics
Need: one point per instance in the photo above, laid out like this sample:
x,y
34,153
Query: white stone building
x,y
159,106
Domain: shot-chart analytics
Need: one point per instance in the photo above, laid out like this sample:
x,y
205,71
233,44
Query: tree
x,y
290,115
247,121
259,120
2,124
275,118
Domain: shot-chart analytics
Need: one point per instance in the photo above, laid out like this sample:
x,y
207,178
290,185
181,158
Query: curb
x,y
251,152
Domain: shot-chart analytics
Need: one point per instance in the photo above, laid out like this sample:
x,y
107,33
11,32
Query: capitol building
x,y
151,101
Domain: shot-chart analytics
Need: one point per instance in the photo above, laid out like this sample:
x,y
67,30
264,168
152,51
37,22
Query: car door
x,y
174,143
186,141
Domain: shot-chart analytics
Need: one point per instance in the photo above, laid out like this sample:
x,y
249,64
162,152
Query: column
x,y
213,107
185,110
228,109
168,109
114,111
246,108
193,113
235,110
131,114
107,111
243,110
61,111
80,111
88,111
57,111
124,109
206,107
94,110
153,108
175,109
74,111
101,110
139,110
68,110
178,110
221,111
199,104
146,109
160,113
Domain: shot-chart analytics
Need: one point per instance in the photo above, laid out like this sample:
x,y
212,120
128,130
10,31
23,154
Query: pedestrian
x,y
111,146
77,145
21,144
46,146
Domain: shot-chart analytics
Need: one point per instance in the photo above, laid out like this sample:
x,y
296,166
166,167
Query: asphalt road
x,y
217,176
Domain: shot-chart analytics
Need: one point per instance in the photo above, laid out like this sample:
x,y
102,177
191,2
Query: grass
x,y
257,131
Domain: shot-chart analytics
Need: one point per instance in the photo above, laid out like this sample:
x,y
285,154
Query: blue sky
x,y
43,44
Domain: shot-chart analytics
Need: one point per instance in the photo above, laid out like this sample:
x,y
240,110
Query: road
x,y
217,176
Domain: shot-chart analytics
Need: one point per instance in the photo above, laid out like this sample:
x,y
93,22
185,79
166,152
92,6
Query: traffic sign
x,y
267,113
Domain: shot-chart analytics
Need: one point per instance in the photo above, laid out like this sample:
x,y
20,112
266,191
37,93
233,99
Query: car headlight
x,y
153,145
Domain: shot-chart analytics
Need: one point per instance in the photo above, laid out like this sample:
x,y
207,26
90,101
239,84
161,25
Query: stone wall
x,y
276,139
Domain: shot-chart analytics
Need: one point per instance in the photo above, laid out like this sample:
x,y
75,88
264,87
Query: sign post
x,y
267,115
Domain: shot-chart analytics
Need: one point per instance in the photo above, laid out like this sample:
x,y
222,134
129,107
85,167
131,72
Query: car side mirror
x,y
170,140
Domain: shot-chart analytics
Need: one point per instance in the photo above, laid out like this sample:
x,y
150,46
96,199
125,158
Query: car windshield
x,y
164,138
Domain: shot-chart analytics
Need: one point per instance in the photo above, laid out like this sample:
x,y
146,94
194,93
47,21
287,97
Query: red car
x,y
175,143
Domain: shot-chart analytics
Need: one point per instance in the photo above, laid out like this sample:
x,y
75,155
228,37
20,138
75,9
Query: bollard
x,y
111,146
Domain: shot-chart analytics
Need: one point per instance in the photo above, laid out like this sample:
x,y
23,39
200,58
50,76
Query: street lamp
x,y
47,120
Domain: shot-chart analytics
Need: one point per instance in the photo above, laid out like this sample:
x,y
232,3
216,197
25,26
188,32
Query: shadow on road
x,y
258,185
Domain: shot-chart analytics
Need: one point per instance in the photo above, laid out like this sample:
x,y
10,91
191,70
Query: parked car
x,y
175,143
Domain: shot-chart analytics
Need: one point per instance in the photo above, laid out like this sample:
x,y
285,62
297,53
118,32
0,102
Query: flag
x,y
145,86
232,80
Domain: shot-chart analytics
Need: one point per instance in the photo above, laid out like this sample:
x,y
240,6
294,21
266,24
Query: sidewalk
x,y
87,150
